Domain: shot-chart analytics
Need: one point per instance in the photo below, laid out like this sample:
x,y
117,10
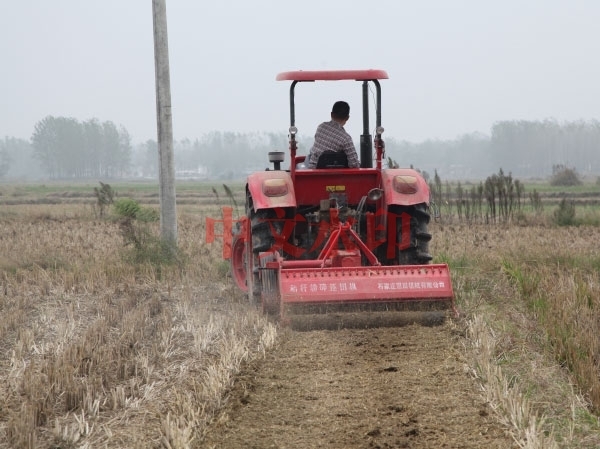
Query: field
x,y
104,348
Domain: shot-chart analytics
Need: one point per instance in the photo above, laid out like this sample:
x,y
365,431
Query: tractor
x,y
335,239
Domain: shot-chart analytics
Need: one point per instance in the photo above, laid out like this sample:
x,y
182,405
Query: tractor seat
x,y
333,159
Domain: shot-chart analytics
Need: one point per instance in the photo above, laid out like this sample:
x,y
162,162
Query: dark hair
x,y
340,110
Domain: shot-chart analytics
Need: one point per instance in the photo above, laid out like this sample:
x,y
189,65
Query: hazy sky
x,y
455,66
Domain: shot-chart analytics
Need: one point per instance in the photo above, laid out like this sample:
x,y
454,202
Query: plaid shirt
x,y
331,136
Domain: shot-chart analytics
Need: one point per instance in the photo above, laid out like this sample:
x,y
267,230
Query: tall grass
x,y
565,298
531,297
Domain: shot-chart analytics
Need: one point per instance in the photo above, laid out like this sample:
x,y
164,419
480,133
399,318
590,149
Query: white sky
x,y
455,66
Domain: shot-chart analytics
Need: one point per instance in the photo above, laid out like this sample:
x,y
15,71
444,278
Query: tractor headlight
x,y
293,130
379,130
274,187
405,184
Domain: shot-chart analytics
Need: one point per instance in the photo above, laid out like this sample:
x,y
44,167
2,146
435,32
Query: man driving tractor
x,y
332,137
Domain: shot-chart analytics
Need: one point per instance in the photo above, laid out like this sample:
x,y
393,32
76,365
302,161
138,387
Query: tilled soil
x,y
404,387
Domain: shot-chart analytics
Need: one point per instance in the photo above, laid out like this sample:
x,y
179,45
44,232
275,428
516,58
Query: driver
x,y
331,136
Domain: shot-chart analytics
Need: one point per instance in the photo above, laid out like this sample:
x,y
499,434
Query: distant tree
x,y
150,161
21,163
277,141
467,156
530,147
46,145
58,143
5,159
109,154
123,160
67,148
93,136
71,148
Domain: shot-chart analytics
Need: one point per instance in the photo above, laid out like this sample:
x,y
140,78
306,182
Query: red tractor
x,y
336,237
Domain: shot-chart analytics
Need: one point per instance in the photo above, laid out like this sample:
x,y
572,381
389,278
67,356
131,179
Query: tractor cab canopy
x,y
366,76
332,75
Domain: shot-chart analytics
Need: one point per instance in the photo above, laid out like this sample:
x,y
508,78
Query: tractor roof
x,y
332,75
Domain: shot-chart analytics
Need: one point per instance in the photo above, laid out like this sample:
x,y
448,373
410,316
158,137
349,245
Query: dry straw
x,y
531,317
101,352
105,353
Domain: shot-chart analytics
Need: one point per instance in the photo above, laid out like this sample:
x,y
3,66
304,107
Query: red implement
x,y
365,284
338,278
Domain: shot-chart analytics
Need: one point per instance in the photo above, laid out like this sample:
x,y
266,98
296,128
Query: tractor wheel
x,y
271,300
262,224
239,269
417,252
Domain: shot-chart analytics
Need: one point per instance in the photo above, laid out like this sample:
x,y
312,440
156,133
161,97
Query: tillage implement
x,y
336,246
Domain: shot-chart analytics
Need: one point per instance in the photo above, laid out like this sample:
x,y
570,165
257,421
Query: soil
x,y
402,387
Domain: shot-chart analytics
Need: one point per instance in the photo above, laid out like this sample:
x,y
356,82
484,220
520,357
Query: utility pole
x,y
166,167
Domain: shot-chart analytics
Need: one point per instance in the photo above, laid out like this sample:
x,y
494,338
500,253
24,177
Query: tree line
x,y
67,148
63,147
218,155
525,148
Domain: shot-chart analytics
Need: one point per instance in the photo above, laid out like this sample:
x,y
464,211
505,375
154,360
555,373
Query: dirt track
x,y
401,387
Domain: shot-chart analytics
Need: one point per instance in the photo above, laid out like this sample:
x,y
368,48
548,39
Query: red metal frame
x,y
342,231
322,281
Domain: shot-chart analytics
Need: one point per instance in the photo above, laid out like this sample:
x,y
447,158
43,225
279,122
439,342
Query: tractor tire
x,y
262,224
270,295
239,269
418,251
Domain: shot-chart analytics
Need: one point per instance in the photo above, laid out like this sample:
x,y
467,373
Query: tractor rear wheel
x,y
239,270
263,224
417,253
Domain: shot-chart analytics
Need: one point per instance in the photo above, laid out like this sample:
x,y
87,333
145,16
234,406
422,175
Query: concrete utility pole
x,y
166,168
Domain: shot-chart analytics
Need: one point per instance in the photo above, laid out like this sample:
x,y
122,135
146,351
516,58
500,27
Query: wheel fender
x,y
404,187
270,189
